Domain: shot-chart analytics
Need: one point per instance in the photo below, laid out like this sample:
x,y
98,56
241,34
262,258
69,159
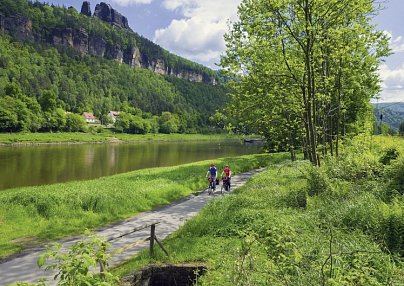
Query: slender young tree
x,y
304,69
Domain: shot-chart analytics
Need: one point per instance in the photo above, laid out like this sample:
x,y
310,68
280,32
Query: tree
x,y
75,122
401,129
168,123
48,100
8,116
303,70
122,123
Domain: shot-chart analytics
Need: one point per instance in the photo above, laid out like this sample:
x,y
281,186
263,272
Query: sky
x,y
194,29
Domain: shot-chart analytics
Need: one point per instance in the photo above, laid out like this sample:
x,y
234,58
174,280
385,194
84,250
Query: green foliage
x,y
355,162
395,175
389,155
392,228
401,129
75,123
318,181
74,266
358,269
168,123
297,80
298,198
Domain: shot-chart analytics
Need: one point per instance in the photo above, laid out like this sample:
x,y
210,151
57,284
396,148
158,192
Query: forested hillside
x,y
391,113
46,87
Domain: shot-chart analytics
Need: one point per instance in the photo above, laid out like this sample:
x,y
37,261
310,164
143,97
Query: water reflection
x,y
47,164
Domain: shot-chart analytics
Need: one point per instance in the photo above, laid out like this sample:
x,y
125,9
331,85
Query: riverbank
x,y
34,215
14,139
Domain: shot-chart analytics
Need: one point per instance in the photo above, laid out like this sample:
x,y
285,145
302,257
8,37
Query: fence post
x,y
102,263
152,236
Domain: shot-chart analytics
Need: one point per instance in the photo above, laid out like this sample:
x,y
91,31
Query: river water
x,y
48,164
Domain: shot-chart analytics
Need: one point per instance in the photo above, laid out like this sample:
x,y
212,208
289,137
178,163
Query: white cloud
x,y
199,34
392,83
396,43
125,3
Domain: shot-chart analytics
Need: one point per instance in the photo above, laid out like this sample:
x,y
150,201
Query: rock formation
x,y
107,14
84,42
86,9
18,26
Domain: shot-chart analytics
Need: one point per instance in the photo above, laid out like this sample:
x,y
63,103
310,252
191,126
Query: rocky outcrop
x,y
1,23
107,14
97,46
85,9
83,42
18,26
132,57
76,39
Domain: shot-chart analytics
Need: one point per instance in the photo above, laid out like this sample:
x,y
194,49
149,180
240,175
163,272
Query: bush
x,y
395,176
318,181
296,199
392,228
389,155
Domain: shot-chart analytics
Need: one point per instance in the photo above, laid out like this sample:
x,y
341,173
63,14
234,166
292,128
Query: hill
x,y
391,113
56,61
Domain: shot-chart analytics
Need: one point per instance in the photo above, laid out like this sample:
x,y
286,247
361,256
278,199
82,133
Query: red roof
x,y
88,115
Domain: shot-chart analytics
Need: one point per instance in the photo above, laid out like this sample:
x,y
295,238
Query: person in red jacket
x,y
226,176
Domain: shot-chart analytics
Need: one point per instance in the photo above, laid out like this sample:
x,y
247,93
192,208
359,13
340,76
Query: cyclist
x,y
226,176
211,174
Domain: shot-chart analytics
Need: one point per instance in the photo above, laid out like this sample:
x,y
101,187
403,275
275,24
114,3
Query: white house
x,y
89,117
113,115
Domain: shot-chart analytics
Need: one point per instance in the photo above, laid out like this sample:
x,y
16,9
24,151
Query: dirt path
x,y
171,217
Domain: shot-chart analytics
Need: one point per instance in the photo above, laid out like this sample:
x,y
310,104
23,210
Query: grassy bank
x,y
341,224
106,136
34,214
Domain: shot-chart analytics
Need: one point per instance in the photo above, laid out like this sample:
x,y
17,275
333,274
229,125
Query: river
x,y
48,164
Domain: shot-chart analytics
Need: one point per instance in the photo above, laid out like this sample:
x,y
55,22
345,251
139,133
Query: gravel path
x,y
171,217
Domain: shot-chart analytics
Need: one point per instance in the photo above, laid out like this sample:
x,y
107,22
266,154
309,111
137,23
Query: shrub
x,y
392,228
296,199
74,265
395,176
318,181
389,155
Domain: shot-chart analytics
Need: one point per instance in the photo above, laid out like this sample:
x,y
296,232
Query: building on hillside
x,y
113,115
89,117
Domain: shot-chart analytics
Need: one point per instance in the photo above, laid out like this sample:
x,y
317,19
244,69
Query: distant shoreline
x,y
35,139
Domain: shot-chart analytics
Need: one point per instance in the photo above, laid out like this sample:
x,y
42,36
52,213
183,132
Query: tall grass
x,y
299,225
32,214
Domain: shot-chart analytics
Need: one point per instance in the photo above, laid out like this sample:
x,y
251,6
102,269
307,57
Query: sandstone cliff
x,y
107,14
85,42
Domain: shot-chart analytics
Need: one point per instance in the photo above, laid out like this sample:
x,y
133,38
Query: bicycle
x,y
225,184
211,187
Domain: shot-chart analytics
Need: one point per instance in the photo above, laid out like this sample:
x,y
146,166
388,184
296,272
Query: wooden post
x,y
152,236
102,265
161,246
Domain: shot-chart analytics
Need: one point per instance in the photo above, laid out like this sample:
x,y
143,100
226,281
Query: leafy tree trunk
x,y
311,94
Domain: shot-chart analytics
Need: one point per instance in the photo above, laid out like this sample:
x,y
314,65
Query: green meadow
x,y
33,215
103,136
294,224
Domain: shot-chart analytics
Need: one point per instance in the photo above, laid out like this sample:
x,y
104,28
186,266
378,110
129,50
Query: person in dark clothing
x,y
212,174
